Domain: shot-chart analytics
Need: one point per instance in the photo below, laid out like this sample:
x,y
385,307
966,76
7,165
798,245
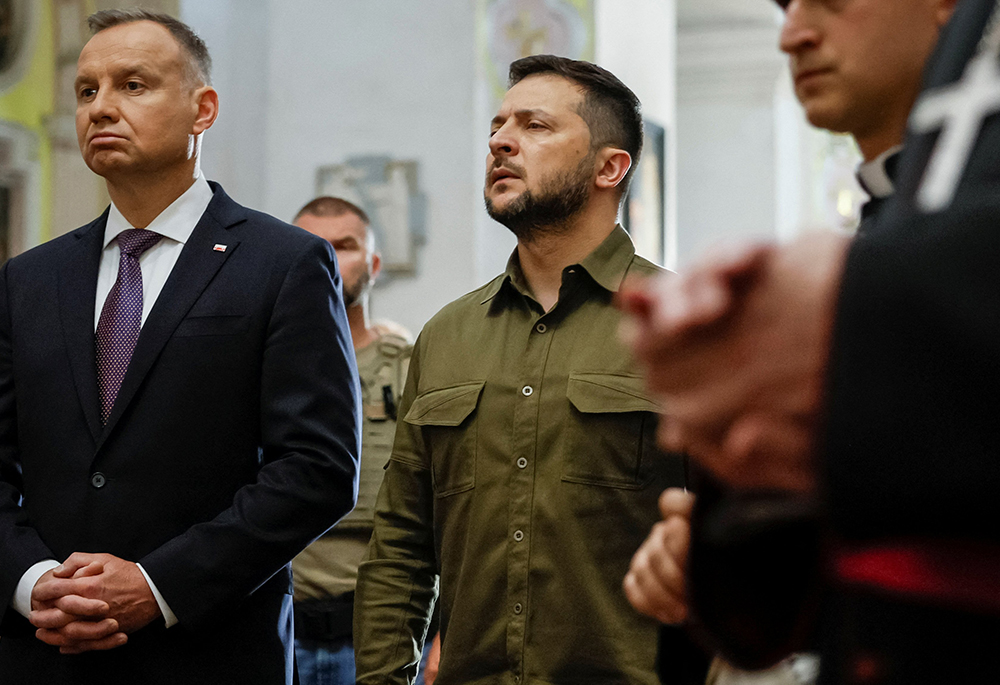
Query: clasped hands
x,y
736,349
91,602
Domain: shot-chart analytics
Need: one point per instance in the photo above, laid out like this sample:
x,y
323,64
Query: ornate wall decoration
x,y
511,29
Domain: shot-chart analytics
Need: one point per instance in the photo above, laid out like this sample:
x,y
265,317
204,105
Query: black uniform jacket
x,y
912,444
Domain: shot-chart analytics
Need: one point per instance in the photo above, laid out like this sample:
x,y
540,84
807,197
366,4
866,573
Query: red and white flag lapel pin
x,y
220,248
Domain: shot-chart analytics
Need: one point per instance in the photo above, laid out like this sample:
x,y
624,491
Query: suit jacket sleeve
x,y
310,437
913,445
21,545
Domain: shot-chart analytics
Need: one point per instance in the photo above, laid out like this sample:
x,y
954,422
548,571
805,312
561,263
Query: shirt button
x,y
527,390
522,463
98,480
541,328
518,608
518,535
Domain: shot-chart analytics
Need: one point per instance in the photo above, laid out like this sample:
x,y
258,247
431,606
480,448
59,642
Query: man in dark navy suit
x,y
178,403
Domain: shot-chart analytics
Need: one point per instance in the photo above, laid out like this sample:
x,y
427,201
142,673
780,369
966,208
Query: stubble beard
x,y
548,212
355,291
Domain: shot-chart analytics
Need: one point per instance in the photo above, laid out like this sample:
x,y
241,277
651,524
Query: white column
x,y
728,69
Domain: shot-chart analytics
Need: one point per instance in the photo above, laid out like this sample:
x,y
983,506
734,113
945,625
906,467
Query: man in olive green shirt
x,y
524,472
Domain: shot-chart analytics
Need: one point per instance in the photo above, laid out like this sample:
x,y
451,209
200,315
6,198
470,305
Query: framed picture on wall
x,y
644,211
389,192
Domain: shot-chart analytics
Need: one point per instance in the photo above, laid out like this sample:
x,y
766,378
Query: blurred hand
x,y
655,582
91,602
737,349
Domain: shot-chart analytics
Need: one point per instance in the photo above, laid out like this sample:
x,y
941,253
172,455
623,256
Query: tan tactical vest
x,y
329,566
382,367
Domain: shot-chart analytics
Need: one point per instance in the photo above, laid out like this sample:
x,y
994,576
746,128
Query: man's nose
x,y
104,106
799,31
503,143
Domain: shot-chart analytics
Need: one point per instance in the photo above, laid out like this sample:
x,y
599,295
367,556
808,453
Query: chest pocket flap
x,y
451,434
445,406
609,436
603,393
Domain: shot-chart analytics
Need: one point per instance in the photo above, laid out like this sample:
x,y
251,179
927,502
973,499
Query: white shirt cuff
x,y
21,603
168,615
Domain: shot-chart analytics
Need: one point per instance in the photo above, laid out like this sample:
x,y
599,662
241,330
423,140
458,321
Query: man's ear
x,y
613,164
208,109
376,267
944,10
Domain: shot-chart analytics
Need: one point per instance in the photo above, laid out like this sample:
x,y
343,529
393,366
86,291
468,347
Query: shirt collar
x,y
176,222
607,265
609,262
877,176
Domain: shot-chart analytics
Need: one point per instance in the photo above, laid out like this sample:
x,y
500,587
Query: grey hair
x,y
199,61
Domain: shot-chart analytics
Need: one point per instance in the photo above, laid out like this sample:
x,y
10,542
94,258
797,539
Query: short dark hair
x,y
612,111
199,61
331,206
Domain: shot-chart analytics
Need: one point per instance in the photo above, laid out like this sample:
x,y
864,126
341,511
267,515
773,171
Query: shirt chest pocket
x,y
610,436
448,423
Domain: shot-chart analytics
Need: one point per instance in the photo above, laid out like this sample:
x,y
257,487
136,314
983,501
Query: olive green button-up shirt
x,y
524,476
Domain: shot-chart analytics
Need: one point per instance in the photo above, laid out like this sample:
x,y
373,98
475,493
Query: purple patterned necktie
x,y
121,317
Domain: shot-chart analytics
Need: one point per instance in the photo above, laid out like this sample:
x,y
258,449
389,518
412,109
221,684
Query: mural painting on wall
x,y
644,210
389,192
511,29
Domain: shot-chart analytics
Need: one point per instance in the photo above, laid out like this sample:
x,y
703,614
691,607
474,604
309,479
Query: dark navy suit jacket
x,y
233,443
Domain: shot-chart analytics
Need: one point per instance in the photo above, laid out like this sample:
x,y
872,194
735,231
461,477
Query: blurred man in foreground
x,y
863,377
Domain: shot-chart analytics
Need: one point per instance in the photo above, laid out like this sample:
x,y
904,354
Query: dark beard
x,y
548,212
354,291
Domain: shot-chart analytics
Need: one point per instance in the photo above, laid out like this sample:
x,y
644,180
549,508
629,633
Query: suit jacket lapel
x,y
195,268
77,298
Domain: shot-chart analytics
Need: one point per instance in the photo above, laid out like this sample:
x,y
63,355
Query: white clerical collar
x,y
176,222
875,178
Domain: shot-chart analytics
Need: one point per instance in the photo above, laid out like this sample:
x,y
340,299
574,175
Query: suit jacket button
x,y
98,480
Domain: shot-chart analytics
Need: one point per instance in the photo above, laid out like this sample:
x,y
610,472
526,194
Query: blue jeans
x,y
325,663
423,661
332,663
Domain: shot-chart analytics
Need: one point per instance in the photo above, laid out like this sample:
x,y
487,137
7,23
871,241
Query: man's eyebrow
x,y
521,114
120,72
137,69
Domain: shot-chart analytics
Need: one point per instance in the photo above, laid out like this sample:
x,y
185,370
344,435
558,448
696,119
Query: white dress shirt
x,y
874,177
175,224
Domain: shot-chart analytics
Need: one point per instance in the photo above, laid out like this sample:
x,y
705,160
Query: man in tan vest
x,y
325,573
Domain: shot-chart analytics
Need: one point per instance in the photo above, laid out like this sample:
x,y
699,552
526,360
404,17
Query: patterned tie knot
x,y
135,241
